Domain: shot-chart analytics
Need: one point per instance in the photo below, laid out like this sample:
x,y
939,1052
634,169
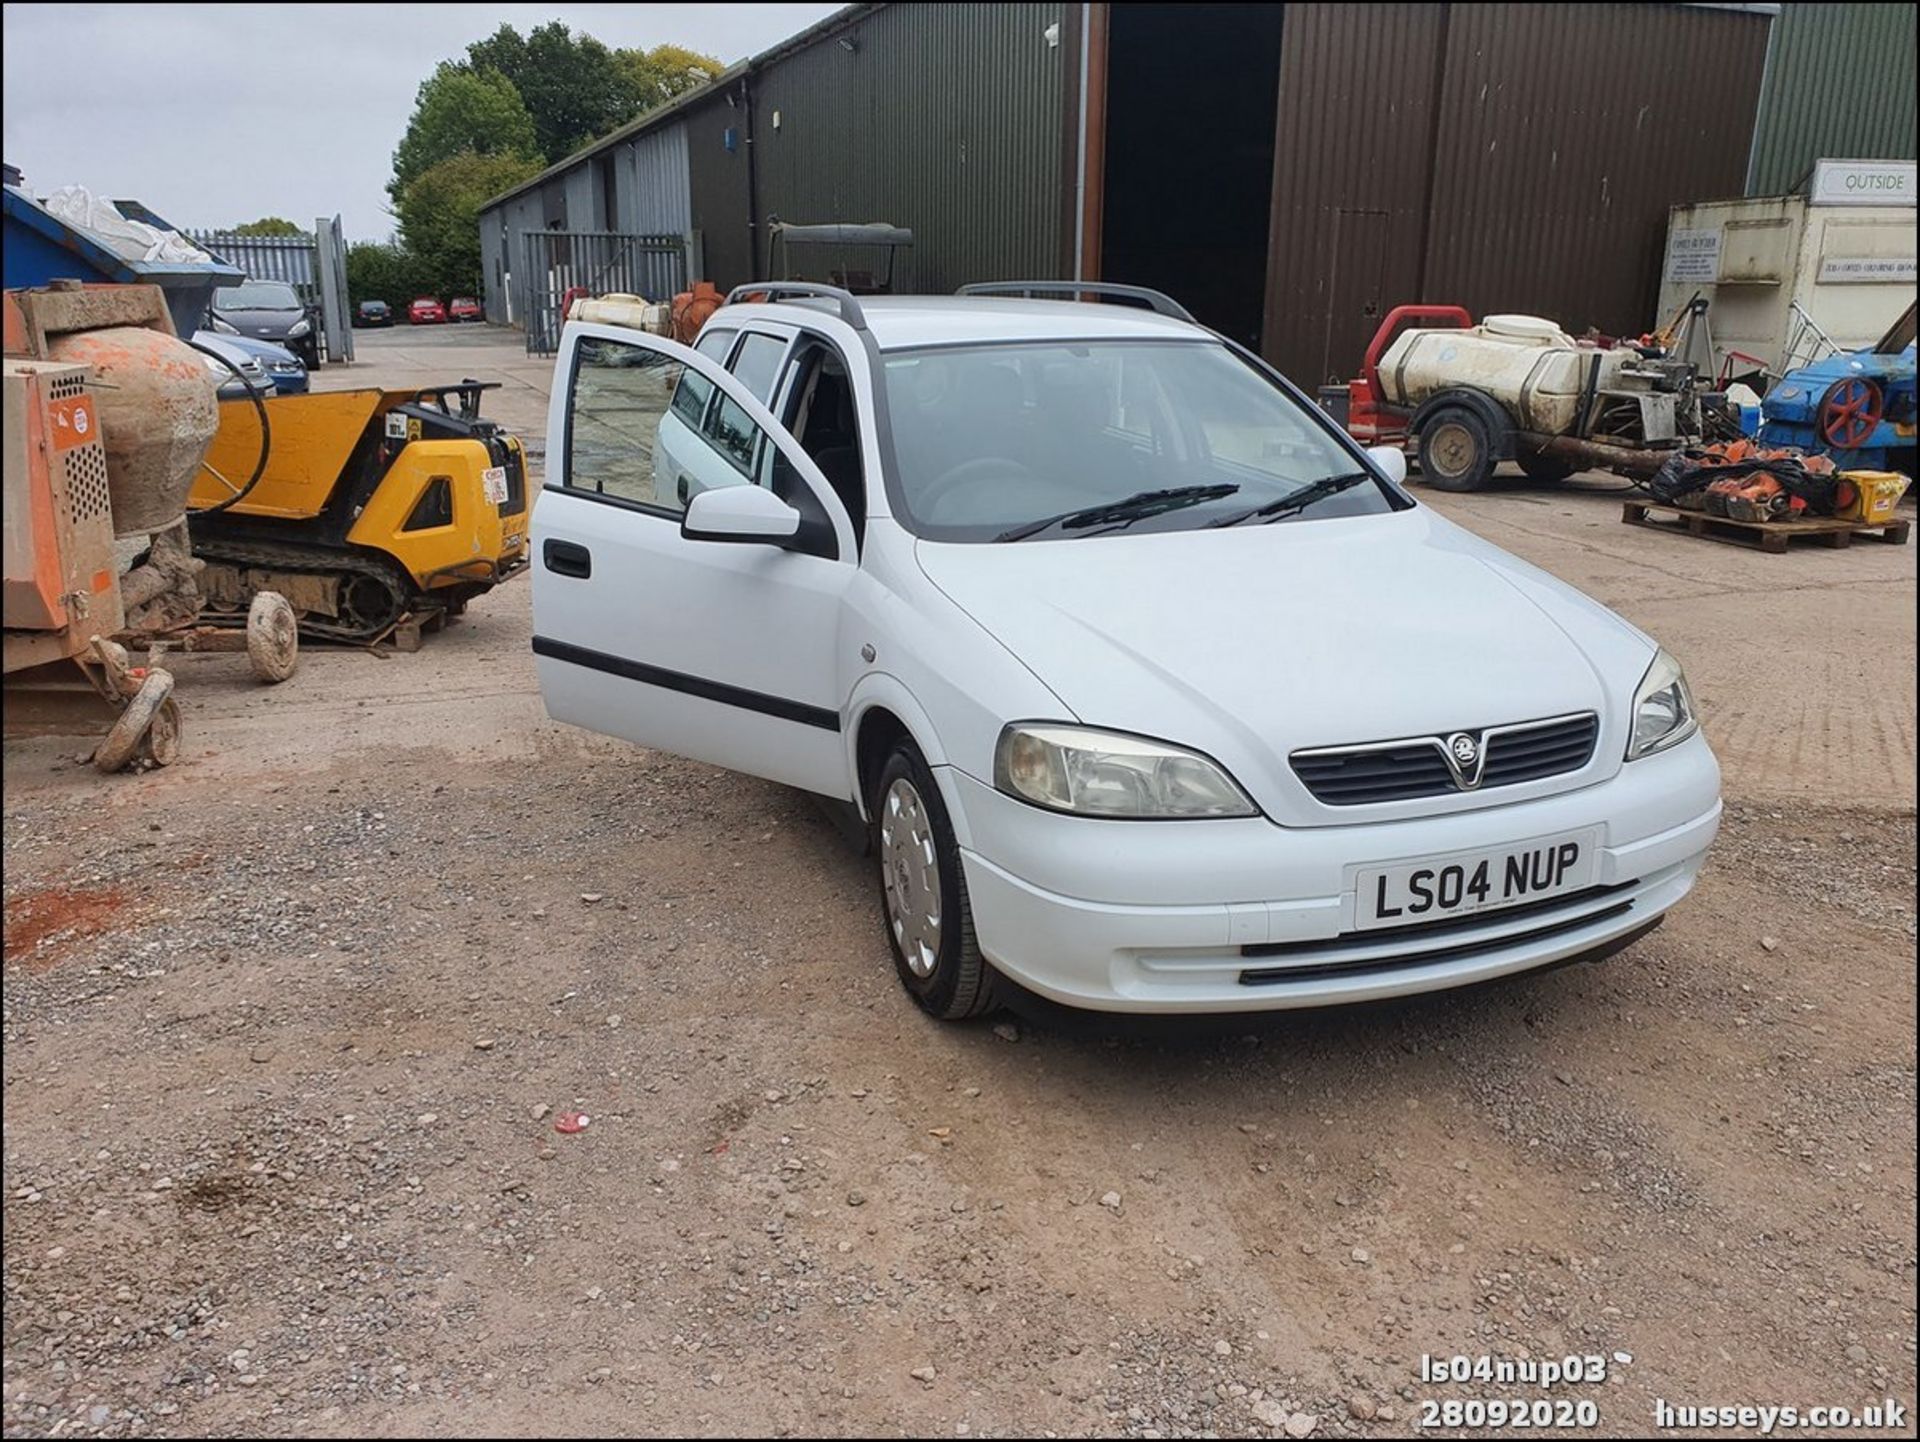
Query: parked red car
x,y
465,307
426,311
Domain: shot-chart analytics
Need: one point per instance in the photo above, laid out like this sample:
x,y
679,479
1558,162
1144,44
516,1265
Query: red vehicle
x,y
426,311
465,307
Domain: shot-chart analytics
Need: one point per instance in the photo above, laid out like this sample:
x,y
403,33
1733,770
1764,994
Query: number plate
x,y
494,478
1445,887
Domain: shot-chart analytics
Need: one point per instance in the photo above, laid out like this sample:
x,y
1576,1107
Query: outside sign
x,y
1863,182
1694,255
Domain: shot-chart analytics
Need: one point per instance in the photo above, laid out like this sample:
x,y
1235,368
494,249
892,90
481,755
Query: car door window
x,y
756,364
819,412
640,430
714,344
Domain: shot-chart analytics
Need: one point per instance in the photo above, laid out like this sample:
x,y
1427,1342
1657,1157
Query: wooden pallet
x,y
1771,536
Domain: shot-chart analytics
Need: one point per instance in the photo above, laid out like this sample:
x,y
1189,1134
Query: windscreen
x,y
990,441
257,295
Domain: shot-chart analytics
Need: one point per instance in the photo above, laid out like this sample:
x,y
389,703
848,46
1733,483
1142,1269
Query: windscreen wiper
x,y
1125,512
1297,500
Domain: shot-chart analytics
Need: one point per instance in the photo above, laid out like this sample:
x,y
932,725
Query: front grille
x,y
1416,767
1354,778
1423,944
1528,755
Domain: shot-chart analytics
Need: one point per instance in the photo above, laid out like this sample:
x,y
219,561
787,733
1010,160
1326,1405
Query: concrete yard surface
x,y
289,1025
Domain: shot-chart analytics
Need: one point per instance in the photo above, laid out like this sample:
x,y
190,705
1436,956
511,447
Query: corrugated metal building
x,y
1289,171
1839,86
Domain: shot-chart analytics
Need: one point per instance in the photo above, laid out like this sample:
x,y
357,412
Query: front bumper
x,y
1244,915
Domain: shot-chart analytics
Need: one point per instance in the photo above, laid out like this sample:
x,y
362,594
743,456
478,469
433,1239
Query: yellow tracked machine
x,y
368,510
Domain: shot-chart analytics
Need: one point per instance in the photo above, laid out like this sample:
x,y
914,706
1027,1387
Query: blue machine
x,y
1857,407
40,248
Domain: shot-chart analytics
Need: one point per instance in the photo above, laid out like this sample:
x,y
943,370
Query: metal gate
x,y
314,265
599,262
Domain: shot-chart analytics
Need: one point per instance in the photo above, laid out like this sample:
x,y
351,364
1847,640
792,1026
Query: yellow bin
x,y
1875,494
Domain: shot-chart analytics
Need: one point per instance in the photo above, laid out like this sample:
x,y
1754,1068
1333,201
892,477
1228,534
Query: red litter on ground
x,y
571,1122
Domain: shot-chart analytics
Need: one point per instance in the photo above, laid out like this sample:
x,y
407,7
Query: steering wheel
x,y
1849,411
967,472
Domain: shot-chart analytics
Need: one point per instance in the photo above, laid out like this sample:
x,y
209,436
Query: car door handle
x,y
566,559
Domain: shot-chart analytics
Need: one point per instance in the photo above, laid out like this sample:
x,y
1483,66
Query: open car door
x,y
689,563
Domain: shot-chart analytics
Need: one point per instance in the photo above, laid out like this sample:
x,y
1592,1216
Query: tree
x,y
461,109
664,72
377,271
574,88
439,216
270,225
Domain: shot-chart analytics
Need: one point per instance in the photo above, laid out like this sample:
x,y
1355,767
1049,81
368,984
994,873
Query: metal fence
x,y
598,262
319,278
266,257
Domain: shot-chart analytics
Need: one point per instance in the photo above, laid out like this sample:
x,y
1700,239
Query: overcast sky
x,y
217,114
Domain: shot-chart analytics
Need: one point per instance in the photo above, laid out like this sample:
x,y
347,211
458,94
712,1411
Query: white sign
x,y
1693,255
1863,182
1866,270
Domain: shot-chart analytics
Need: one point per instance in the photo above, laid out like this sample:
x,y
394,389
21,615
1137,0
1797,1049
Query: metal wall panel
x,y
717,188
1350,185
582,194
651,177
1566,131
493,265
525,212
1839,87
946,119
265,257
1512,158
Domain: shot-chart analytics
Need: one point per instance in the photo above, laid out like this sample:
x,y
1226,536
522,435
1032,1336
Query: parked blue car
x,y
285,369
1857,407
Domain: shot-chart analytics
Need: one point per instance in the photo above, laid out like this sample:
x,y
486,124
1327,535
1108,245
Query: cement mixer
x,y
109,418
1518,387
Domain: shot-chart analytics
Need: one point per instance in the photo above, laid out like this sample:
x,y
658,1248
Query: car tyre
x,y
1456,452
923,893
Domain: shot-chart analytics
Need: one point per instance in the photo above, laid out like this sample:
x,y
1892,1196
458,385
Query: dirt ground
x,y
288,1027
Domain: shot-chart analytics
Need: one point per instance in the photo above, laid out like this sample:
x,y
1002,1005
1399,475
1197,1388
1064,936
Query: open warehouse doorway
x,y
1188,185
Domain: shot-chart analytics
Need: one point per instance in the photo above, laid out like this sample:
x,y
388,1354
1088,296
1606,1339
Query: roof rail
x,y
1156,301
772,290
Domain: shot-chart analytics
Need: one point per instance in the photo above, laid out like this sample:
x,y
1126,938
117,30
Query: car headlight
x,y
299,328
1107,773
223,328
1662,709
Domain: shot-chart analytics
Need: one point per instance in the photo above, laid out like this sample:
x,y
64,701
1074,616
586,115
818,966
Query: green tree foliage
x,y
664,72
461,108
575,87
386,272
439,216
270,225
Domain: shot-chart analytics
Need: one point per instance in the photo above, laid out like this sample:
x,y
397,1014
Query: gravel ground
x,y
286,1046
289,1028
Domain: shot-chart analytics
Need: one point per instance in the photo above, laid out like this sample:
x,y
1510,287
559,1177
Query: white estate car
x,y
1155,692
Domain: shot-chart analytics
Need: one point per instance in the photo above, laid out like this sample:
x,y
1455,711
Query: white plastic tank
x,y
1530,365
633,311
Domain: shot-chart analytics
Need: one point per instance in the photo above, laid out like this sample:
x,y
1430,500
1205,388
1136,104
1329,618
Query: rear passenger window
x,y
690,397
757,365
714,344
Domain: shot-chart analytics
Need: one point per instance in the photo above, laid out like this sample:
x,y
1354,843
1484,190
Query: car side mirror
x,y
1390,459
740,513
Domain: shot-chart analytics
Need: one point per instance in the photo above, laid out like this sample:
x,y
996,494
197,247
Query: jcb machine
x,y
371,511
